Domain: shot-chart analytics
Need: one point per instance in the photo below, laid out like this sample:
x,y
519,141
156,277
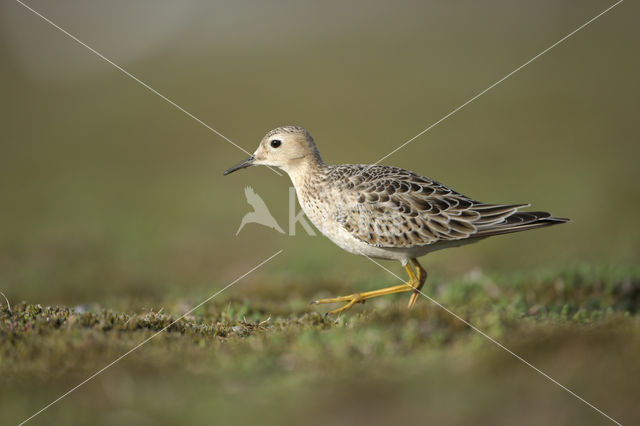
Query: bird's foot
x,y
351,300
415,295
413,299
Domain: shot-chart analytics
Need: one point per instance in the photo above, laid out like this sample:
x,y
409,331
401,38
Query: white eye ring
x,y
276,143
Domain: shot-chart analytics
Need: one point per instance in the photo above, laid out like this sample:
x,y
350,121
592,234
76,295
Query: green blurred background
x,y
110,196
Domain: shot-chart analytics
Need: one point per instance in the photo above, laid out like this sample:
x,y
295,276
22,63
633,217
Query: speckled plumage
x,y
391,213
385,212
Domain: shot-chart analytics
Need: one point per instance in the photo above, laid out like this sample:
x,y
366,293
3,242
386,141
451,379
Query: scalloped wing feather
x,y
392,207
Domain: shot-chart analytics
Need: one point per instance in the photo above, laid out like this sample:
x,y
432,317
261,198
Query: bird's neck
x,y
305,172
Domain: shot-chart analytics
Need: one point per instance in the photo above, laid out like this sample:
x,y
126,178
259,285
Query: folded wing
x,y
392,207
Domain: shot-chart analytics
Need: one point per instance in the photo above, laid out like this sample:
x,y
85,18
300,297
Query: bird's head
x,y
285,147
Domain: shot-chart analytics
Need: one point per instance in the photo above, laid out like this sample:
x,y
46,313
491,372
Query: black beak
x,y
241,165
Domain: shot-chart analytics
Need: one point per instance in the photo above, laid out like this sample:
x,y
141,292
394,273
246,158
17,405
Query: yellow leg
x,y
352,299
422,277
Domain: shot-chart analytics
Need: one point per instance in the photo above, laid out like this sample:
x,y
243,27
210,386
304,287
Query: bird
x,y
260,213
384,212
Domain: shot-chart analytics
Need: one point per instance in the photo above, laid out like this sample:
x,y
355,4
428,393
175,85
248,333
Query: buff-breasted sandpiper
x,y
384,212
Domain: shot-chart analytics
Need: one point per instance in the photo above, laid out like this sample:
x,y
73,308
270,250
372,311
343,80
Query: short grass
x,y
265,355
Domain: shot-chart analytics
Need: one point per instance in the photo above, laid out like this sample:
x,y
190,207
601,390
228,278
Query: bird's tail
x,y
521,221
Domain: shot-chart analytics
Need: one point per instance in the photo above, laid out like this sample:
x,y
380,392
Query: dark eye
x,y
276,143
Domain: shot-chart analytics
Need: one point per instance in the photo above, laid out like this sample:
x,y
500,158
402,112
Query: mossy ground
x,y
260,355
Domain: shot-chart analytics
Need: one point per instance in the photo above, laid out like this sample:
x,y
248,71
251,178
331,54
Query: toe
x,y
413,299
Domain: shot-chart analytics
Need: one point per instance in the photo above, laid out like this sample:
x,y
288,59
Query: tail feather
x,y
520,221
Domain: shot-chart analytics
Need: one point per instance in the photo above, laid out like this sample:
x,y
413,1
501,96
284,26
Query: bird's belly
x,y
325,221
